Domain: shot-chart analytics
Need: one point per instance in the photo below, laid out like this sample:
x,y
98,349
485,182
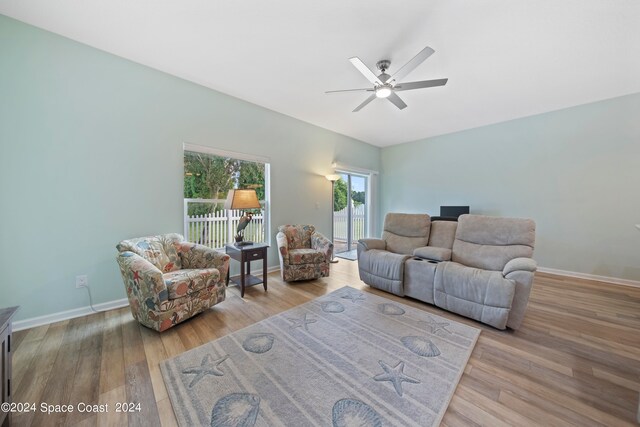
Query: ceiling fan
x,y
385,85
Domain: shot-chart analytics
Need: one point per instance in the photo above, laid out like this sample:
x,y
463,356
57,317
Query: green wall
x,y
91,153
576,172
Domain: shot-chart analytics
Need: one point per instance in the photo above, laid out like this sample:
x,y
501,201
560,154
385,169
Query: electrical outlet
x,y
82,281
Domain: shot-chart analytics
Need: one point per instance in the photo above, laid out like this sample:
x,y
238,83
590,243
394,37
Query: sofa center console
x,y
419,275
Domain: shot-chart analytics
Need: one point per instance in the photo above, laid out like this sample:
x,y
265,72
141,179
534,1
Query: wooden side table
x,y
244,255
6,315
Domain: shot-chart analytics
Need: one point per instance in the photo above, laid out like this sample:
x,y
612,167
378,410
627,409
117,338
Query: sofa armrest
x,y
283,247
320,243
520,271
369,244
519,264
143,281
433,253
197,256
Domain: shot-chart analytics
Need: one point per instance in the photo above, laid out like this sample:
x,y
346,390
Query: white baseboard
x,y
82,311
614,280
273,268
68,314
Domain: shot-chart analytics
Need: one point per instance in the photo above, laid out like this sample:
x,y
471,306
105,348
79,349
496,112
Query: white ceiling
x,y
504,58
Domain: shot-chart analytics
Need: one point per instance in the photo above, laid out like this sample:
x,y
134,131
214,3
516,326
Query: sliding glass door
x,y
350,216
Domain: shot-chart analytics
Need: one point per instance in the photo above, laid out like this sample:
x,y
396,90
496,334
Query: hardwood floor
x,y
575,361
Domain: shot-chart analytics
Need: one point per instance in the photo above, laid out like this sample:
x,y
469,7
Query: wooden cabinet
x,y
6,315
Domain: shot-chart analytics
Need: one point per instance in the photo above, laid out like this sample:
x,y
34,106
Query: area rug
x,y
349,358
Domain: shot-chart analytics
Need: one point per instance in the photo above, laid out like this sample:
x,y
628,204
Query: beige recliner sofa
x,y
479,267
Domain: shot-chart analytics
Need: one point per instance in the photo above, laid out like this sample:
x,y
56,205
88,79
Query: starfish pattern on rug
x,y
395,376
353,296
436,326
205,368
301,323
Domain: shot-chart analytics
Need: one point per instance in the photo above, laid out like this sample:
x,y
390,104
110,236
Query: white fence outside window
x,y
219,228
340,219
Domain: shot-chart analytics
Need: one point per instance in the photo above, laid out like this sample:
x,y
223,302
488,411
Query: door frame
x,y
369,176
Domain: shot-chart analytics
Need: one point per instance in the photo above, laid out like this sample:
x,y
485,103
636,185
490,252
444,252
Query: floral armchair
x,y
304,253
169,280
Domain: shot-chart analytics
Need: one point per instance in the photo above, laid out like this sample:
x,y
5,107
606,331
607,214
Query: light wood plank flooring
x,y
575,361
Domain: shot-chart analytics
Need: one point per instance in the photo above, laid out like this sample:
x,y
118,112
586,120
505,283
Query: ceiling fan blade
x,y
366,101
350,90
420,85
395,100
411,65
365,70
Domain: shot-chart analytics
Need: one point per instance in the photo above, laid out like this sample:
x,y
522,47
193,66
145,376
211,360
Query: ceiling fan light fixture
x,y
385,85
383,91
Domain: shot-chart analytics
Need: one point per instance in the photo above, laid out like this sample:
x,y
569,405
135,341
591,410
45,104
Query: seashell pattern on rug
x,y
236,410
390,309
352,412
259,343
421,346
332,307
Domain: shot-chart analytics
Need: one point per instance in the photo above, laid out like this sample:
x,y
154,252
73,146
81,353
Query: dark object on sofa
x,y
450,213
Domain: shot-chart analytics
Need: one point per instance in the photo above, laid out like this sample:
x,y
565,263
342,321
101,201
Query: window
x,y
208,176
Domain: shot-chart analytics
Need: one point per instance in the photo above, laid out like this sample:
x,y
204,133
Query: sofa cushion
x,y
158,250
305,271
482,295
405,232
305,256
490,242
184,282
431,252
383,270
298,236
442,234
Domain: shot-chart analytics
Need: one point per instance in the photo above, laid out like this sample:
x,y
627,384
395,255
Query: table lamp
x,y
242,199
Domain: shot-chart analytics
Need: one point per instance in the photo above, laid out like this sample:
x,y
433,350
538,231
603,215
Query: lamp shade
x,y
333,178
242,199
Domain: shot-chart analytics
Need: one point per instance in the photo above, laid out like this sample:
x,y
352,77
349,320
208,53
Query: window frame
x,y
202,149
